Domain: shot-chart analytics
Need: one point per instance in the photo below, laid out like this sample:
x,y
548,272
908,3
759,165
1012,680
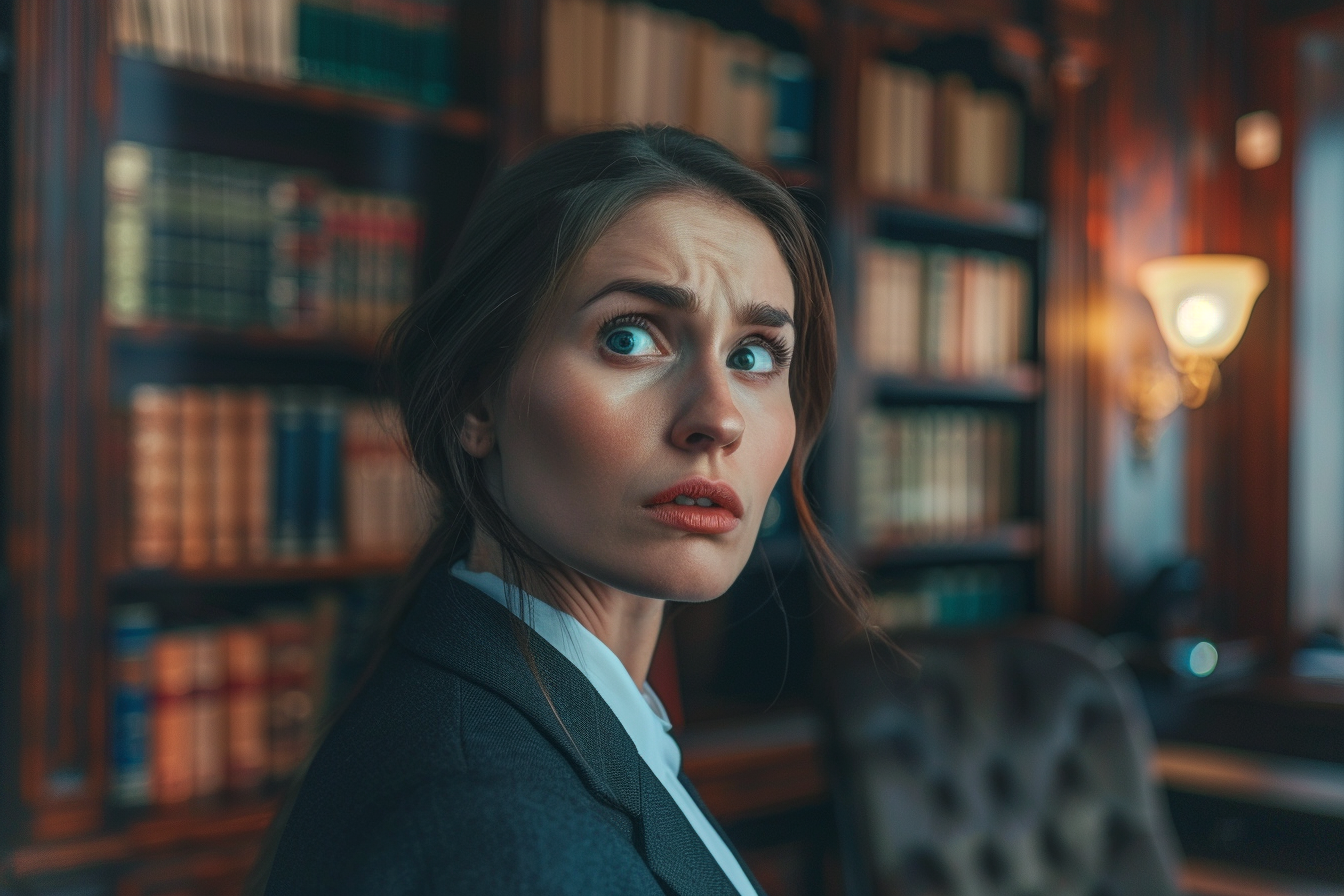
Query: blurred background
x,y
1087,442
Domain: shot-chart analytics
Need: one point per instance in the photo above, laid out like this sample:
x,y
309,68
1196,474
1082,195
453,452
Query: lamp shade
x,y
1202,302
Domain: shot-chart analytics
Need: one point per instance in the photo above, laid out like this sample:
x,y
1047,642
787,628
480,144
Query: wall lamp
x,y
1202,304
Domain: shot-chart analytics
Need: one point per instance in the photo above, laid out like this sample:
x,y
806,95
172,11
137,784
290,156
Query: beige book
x,y
172,718
198,34
976,470
659,68
919,98
197,476
256,474
958,473
955,95
927,473
993,482
559,42
155,475
594,79
755,98
130,28
872,470
675,92
228,481
710,110
208,712
247,750
632,41
168,30
908,279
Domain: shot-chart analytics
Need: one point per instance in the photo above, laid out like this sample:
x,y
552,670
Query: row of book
x,y
918,134
925,474
942,311
950,597
225,477
211,240
404,49
634,63
229,705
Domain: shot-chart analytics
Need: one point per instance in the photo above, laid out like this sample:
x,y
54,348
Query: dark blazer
x,y
449,773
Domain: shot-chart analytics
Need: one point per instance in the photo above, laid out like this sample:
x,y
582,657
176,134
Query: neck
x,y
627,623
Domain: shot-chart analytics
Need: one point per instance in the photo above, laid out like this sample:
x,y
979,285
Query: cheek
x,y
571,438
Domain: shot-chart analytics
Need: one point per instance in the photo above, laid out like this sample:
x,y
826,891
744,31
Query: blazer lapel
x,y
458,627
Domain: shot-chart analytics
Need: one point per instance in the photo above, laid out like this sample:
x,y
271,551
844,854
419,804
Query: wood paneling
x,y
62,98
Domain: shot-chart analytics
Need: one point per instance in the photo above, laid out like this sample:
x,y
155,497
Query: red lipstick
x,y
723,514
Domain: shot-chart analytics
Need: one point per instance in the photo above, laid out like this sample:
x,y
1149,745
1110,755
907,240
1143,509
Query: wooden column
x,y
62,114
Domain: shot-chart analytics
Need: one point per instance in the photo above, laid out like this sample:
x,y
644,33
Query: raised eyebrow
x,y
760,314
677,297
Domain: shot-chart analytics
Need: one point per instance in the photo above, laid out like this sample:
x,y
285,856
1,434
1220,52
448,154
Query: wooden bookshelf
x,y
71,369
338,569
1010,217
462,122
1014,541
1022,384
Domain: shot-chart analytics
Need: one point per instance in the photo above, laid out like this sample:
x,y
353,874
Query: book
x,y
933,474
229,467
172,732
213,241
133,627
197,476
289,654
247,747
634,63
209,759
155,475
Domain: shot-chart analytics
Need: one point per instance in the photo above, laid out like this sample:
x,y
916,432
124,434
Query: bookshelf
x,y
74,372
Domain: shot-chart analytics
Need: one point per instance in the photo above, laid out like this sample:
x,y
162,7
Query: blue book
x,y
790,137
133,629
291,466
326,417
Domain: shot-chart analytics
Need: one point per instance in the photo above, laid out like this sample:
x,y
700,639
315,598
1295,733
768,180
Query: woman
x,y
632,339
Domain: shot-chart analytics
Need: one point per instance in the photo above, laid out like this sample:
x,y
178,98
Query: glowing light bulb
x,y
1203,659
1199,318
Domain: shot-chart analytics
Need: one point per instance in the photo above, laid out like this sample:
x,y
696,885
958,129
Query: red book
x,y
247,751
172,725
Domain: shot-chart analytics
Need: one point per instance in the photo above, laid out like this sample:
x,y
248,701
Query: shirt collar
x,y
637,707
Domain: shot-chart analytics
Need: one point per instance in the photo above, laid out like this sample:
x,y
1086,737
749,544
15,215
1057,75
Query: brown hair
x,y
530,228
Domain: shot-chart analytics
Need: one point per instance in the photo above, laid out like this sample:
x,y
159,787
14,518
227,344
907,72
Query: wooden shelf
x,y
191,338
155,830
455,121
1013,541
1020,385
1014,217
335,570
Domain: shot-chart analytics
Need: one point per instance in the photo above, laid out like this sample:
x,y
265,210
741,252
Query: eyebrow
x,y
682,299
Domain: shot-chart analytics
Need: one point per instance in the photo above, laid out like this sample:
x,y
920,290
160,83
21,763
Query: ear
x,y
477,435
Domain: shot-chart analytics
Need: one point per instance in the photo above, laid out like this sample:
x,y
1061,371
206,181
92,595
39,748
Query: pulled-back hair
x,y
528,232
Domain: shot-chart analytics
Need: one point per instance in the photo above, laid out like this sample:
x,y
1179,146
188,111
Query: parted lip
x,y
720,493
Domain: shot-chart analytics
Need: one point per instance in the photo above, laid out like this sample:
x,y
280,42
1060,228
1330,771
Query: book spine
x,y
326,614
282,289
208,732
229,484
326,531
127,173
290,660
133,627
256,474
197,476
162,176
155,475
172,750
248,743
791,130
289,471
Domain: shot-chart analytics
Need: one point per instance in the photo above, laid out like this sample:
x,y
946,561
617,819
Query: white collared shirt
x,y
637,707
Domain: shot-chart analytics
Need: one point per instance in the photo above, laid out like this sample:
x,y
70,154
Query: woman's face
x,y
661,387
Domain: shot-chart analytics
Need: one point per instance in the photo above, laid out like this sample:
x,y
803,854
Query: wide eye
x,y
756,358
629,339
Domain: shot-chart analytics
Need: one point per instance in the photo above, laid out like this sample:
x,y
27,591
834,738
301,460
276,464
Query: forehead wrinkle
x,y
678,297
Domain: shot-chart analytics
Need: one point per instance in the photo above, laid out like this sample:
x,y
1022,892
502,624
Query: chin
x,y
687,570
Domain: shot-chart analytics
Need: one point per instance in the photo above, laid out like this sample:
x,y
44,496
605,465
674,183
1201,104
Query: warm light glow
x,y
1199,318
1259,139
1202,302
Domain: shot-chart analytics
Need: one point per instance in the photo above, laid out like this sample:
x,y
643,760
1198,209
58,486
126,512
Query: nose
x,y
709,417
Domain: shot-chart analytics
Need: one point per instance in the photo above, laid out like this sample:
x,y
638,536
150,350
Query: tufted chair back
x,y
1009,763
